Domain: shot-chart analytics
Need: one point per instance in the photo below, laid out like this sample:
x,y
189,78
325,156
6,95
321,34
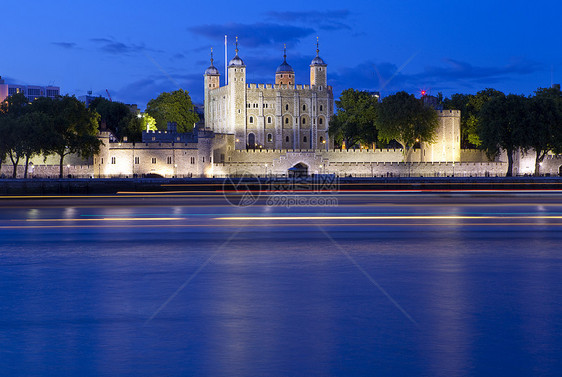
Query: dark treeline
x,y
64,125
490,121
60,126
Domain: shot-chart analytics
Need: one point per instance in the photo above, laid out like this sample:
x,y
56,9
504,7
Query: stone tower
x,y
285,75
237,99
212,81
318,75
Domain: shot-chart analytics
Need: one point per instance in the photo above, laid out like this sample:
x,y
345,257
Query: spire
x,y
317,46
285,52
212,70
236,61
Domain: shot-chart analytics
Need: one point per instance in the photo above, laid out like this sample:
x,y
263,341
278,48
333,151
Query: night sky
x,y
137,49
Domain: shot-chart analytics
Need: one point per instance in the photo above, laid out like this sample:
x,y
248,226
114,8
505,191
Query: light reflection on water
x,y
277,301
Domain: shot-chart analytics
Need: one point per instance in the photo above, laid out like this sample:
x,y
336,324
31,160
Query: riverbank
x,y
25,187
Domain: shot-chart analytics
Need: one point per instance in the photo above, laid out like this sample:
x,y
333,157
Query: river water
x,y
172,289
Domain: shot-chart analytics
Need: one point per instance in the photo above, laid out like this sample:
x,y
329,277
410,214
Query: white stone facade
x,y
270,116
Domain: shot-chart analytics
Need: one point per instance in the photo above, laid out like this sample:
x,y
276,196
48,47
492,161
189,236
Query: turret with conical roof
x,y
236,120
318,69
212,81
284,75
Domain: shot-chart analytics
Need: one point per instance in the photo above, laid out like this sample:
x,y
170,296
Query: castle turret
x,y
237,99
318,75
212,81
285,75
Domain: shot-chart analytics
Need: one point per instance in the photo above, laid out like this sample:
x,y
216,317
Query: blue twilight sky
x,y
137,49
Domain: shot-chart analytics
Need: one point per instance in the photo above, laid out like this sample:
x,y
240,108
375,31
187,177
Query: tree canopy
x,y
404,118
176,107
503,125
61,126
355,119
118,118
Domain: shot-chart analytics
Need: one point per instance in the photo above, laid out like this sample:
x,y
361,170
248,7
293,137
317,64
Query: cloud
x,y
111,46
326,20
66,45
143,90
254,35
454,75
456,70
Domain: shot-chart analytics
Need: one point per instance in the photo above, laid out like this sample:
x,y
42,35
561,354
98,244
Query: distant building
x,y
87,99
32,92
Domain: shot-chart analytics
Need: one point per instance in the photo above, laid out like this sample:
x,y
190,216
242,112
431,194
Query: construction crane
x,y
107,91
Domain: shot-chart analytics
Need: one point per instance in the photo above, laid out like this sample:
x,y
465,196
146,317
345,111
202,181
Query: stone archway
x,y
299,170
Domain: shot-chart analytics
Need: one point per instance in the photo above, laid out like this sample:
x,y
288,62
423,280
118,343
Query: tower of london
x,y
270,116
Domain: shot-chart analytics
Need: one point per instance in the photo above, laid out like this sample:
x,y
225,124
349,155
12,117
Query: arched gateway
x,y
299,170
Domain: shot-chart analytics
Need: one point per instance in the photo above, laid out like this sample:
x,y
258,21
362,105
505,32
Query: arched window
x,y
287,107
321,108
251,119
303,107
320,121
268,119
304,139
251,140
269,138
321,139
287,139
286,120
303,120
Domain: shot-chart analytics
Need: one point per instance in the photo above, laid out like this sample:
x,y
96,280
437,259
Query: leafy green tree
x,y
33,128
502,125
355,119
118,118
470,106
11,111
404,118
72,128
544,128
148,123
176,107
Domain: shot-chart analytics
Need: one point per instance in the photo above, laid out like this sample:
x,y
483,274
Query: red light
x,y
423,92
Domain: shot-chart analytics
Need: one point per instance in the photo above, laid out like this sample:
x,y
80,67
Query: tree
x,y
544,126
33,128
470,106
148,123
118,118
502,125
72,128
404,118
355,119
11,111
176,107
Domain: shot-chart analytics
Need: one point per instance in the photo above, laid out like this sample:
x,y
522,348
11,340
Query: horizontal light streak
x,y
423,217
291,225
107,219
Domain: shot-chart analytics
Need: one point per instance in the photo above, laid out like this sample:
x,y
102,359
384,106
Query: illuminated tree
x,y
176,107
503,125
544,128
72,128
404,118
355,119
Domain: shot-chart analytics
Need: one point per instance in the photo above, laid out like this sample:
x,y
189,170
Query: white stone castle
x,y
271,129
266,116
